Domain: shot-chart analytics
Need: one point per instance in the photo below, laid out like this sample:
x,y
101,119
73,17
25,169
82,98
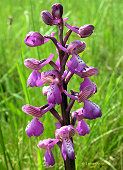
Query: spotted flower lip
x,y
36,64
65,133
54,95
34,128
82,128
83,31
36,111
76,47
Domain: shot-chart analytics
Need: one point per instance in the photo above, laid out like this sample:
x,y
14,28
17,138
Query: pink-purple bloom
x,y
48,144
65,133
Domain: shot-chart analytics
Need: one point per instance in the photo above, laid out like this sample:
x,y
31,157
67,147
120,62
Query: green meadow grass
x,y
102,148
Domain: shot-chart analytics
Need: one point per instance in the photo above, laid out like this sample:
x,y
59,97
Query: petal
x,y
85,93
88,72
32,64
47,61
82,128
36,111
34,128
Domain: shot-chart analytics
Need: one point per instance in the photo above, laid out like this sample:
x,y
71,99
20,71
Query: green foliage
x,y
102,148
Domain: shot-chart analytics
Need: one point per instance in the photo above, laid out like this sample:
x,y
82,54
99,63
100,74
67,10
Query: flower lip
x,y
34,128
91,110
65,132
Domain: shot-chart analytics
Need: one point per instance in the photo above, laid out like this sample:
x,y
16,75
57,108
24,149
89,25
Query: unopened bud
x,y
47,17
57,11
85,31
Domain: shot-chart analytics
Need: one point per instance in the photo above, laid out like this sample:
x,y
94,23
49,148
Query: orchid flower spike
x,y
65,133
82,32
48,144
34,128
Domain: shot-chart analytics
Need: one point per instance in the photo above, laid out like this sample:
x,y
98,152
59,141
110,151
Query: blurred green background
x,y
102,148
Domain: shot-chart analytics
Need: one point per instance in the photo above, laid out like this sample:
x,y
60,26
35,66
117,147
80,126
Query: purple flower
x,y
57,11
36,111
76,47
34,39
48,144
82,32
35,79
34,128
37,65
65,133
82,128
91,110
